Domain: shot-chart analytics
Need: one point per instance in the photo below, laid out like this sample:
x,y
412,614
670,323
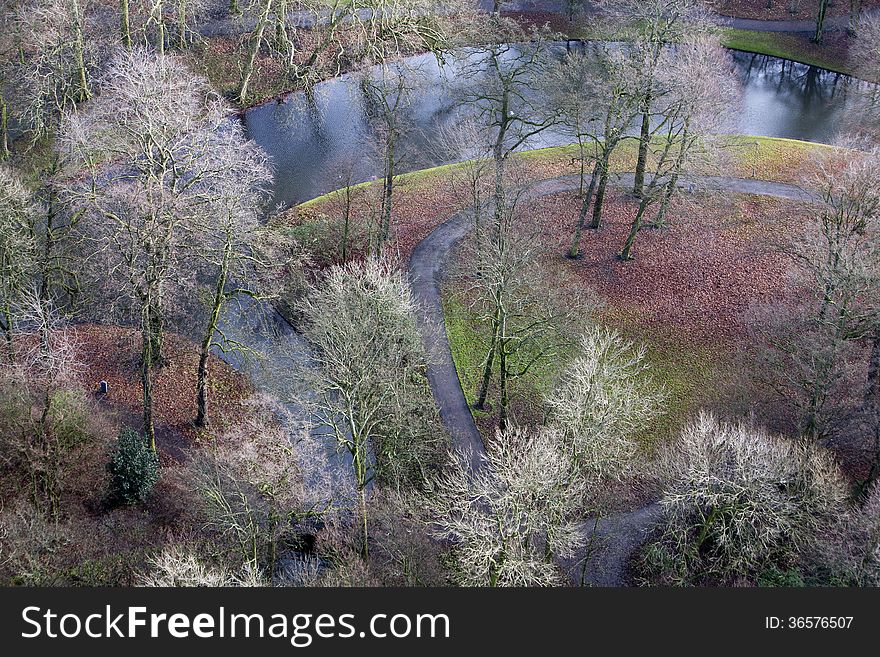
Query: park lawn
x,y
468,339
687,353
682,372
684,298
799,47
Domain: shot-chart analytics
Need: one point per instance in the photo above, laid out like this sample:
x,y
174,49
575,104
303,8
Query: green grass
x,y
796,47
469,340
684,373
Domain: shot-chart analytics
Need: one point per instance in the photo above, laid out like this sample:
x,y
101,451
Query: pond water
x,y
312,141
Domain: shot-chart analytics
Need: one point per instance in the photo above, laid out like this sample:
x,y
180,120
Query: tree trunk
x,y
346,222
626,253
125,24
596,223
147,382
208,339
48,249
157,334
256,40
504,405
359,456
79,53
387,190
181,24
4,130
7,327
855,14
582,216
659,222
644,142
872,408
160,25
487,368
820,21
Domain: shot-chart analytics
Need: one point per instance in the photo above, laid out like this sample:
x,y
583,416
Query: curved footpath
x,y
613,540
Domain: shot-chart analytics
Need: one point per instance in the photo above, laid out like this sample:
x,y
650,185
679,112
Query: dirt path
x,y
615,538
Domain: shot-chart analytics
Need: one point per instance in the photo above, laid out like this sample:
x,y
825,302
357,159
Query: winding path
x,y
613,540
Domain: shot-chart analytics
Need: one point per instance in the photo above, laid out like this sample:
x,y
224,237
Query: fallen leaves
x,y
111,353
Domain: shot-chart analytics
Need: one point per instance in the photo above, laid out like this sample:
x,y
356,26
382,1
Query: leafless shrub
x,y
509,519
809,347
848,551
738,501
252,489
18,250
601,400
28,539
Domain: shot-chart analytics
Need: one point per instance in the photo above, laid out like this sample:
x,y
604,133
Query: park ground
x,y
686,297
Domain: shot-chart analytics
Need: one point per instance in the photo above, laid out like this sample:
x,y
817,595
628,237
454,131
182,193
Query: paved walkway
x,y
615,538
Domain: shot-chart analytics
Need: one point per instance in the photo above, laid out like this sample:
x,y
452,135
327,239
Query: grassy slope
x,y
796,47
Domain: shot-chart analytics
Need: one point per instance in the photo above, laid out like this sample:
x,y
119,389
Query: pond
x,y
311,141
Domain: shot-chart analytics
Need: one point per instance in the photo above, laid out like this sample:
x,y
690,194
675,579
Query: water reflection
x,y
308,137
786,99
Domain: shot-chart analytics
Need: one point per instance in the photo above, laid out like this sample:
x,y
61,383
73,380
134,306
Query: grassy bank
x,y
794,46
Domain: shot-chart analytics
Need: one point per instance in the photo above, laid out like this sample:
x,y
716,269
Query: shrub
x,y
739,502
602,400
134,469
70,417
849,551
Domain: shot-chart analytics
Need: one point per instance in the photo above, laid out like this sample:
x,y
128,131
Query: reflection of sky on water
x,y
310,142
786,99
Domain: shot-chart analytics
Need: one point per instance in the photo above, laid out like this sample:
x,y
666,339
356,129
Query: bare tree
x,y
56,61
820,20
865,50
45,366
252,486
389,91
836,259
229,239
509,520
8,57
530,318
18,251
849,550
147,144
651,26
603,398
500,83
366,388
464,142
275,30
738,501
598,94
695,89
